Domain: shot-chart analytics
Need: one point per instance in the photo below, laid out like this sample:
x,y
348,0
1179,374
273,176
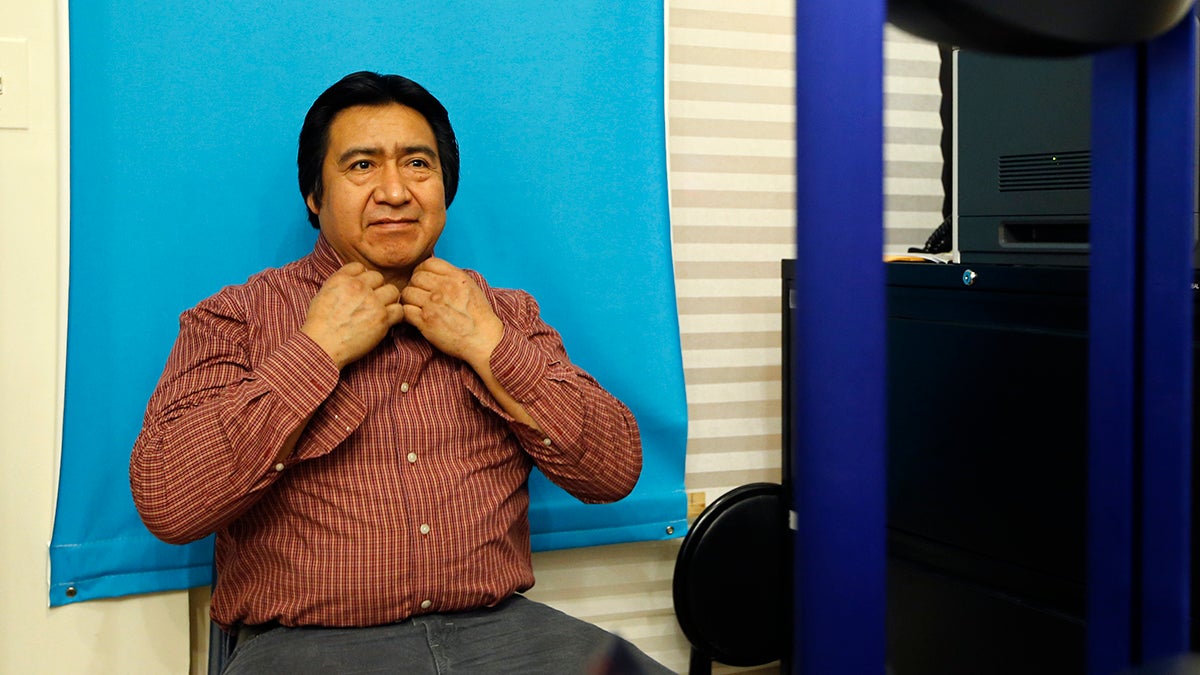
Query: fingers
x,y
351,269
356,270
392,305
413,315
436,266
413,295
434,272
395,313
387,293
415,301
370,278
373,281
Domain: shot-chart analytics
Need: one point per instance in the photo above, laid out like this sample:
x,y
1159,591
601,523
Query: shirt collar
x,y
325,259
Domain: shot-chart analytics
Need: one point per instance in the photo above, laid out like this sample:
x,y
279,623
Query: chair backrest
x,y
731,591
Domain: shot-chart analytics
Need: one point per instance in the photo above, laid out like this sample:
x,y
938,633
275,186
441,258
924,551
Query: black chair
x,y
220,643
731,590
220,648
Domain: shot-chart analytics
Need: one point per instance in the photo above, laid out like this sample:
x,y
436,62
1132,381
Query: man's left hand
x,y
451,311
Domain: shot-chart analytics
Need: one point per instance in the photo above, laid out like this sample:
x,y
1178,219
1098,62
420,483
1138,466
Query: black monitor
x,y
1023,147
1022,158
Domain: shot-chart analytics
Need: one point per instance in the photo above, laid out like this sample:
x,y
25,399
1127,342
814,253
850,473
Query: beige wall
x,y
729,109
142,635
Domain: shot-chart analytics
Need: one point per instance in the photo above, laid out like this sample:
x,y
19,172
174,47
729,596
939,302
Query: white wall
x,y
143,635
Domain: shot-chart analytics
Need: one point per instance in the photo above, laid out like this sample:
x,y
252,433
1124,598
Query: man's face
x,y
384,204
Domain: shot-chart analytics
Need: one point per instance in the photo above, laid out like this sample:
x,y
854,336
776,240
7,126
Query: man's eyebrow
x,y
357,152
419,149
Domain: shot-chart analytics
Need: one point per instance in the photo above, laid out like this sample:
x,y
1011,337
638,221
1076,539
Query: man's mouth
x,y
385,222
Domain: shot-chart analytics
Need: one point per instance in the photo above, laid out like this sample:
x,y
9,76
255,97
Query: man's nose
x,y
391,188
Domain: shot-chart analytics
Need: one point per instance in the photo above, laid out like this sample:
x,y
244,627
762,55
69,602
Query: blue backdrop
x,y
183,132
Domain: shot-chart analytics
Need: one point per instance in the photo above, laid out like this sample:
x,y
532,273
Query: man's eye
x,y
420,164
361,165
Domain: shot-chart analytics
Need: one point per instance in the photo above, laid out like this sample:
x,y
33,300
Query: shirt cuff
x,y
301,368
519,366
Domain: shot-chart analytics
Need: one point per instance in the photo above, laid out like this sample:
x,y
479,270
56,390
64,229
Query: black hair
x,y
370,89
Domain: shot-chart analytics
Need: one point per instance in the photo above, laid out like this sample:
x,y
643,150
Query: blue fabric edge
x,y
199,573
626,534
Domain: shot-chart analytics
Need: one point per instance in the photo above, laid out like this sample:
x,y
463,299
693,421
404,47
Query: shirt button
x,y
279,466
412,458
424,528
425,604
547,442
404,387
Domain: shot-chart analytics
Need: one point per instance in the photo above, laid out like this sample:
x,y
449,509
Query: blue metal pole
x,y
838,477
1167,359
1140,372
1113,293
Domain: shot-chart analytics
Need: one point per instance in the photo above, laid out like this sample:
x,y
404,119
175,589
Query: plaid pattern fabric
x,y
406,492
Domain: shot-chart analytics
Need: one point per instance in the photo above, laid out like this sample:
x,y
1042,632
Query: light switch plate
x,y
14,83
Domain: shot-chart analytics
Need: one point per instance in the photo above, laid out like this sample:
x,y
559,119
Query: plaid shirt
x,y
406,492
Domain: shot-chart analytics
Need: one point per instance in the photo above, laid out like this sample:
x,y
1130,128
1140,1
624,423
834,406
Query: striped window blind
x,y
731,146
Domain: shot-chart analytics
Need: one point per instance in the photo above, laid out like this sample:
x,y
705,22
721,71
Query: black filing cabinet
x,y
987,417
987,398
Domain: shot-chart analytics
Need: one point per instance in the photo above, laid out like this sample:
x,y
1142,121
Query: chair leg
x,y
699,664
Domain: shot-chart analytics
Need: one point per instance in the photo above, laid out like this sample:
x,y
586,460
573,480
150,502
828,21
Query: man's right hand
x,y
352,313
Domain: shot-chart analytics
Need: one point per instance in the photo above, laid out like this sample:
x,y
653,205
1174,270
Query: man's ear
x,y
312,204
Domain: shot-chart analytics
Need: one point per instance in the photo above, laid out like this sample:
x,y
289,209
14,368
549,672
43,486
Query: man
x,y
358,426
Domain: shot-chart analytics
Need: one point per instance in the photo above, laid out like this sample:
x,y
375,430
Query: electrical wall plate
x,y
14,83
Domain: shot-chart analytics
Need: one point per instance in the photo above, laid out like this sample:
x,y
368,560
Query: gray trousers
x,y
517,636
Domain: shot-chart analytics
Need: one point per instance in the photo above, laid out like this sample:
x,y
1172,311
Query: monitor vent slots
x,y
1045,171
